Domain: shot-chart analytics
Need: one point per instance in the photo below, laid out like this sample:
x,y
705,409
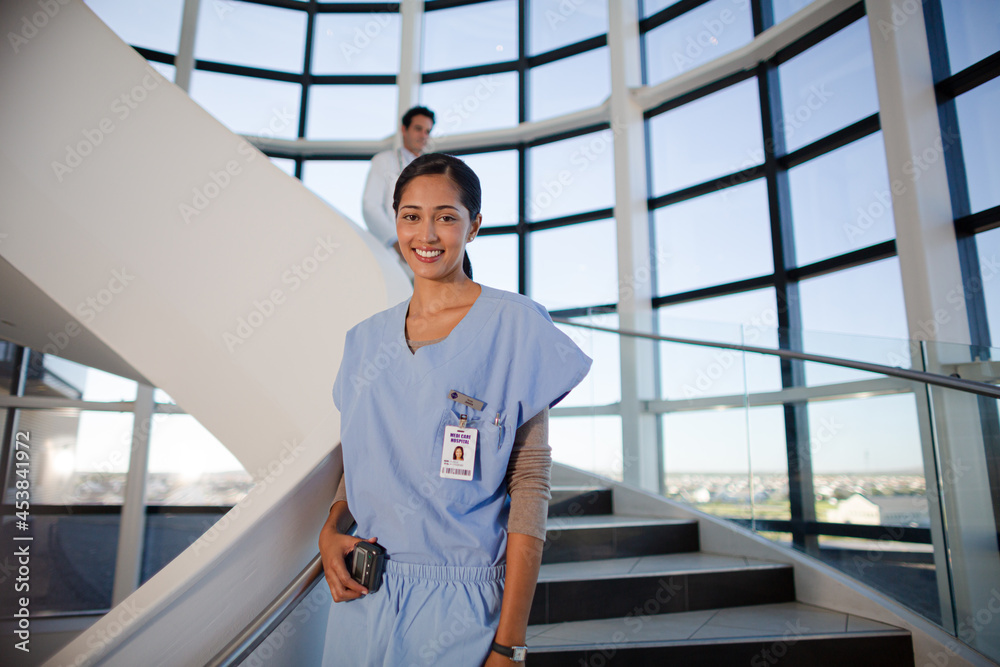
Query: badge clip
x,y
463,420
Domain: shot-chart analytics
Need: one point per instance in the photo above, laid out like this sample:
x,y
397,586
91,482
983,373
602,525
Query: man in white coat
x,y
385,169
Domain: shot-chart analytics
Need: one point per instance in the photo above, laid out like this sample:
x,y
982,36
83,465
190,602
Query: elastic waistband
x,y
490,573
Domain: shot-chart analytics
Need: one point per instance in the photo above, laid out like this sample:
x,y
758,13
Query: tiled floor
x,y
782,621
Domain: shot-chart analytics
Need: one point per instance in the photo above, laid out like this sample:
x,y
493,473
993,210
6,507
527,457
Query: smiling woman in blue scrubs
x,y
459,366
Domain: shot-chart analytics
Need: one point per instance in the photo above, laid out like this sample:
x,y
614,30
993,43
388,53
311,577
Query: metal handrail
x,y
269,619
937,379
240,648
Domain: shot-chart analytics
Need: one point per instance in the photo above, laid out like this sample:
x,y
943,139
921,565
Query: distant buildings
x,y
881,511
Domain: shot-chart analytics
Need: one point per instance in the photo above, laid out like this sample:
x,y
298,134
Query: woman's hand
x,y
334,547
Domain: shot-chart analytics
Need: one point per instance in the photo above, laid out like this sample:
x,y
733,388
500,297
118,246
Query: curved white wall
x,y
220,278
209,271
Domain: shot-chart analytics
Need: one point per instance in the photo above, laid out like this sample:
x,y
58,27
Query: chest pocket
x,y
492,456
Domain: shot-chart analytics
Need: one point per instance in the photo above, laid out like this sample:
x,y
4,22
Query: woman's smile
x,y
428,254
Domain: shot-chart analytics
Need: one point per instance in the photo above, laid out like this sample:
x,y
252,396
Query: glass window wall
x,y
78,457
494,260
249,105
477,34
340,184
586,275
841,201
189,466
782,9
716,135
351,112
252,35
356,43
697,37
972,30
571,176
557,23
980,144
497,174
827,87
988,247
747,318
555,88
717,238
475,104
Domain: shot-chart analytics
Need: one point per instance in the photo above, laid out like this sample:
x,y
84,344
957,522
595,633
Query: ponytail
x,y
467,265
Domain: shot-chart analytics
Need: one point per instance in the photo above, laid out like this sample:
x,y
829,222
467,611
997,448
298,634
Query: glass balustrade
x,y
891,480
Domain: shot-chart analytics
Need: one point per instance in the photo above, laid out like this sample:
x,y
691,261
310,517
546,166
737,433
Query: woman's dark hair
x,y
459,173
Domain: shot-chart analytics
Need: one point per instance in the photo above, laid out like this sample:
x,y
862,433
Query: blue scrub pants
x,y
421,615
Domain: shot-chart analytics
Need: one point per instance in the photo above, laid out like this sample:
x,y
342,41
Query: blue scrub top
x,y
395,405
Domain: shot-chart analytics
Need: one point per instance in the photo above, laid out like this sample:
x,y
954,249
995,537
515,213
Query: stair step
x,y
791,634
661,584
580,501
616,536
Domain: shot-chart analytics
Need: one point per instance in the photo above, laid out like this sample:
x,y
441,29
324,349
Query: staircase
x,y
630,590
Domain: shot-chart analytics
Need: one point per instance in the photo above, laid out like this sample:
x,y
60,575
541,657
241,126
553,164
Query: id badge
x,y
458,456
